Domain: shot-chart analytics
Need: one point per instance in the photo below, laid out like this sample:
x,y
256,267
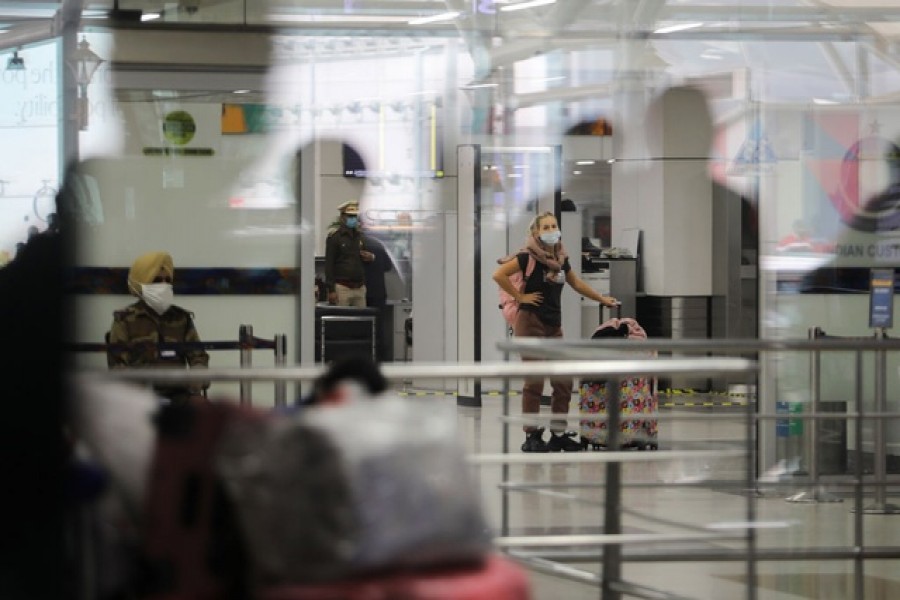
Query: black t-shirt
x,y
549,311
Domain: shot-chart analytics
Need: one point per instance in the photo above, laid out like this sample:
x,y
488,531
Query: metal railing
x,y
613,538
559,554
858,551
245,344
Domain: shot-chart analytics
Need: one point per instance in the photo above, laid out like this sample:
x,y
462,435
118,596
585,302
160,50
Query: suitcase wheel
x,y
587,443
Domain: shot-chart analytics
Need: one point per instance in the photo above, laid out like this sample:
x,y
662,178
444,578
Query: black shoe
x,y
534,442
563,442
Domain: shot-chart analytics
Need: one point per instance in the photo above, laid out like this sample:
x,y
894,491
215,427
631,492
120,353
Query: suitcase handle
x,y
617,308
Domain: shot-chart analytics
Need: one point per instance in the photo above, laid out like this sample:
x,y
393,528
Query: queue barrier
x,y
612,540
567,359
801,421
792,420
816,492
245,344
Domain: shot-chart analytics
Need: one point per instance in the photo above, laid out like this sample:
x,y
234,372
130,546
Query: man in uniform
x,y
345,276
138,329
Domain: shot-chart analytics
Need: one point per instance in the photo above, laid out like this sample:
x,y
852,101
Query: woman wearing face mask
x,y
539,315
138,328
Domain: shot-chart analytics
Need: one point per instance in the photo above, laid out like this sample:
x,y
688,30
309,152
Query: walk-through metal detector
x,y
500,189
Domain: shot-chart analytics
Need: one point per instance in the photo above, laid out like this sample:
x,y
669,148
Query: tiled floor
x,y
692,497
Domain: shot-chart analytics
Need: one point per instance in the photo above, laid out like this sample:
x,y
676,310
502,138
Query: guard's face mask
x,y
159,296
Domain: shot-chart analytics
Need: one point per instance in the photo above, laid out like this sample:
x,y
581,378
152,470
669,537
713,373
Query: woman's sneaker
x,y
534,441
563,442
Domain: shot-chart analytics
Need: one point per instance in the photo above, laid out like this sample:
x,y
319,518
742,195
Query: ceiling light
x,y
15,63
584,162
150,16
681,27
290,18
447,16
475,86
824,101
524,5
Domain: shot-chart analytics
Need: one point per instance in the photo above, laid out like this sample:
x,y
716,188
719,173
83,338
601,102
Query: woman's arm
x,y
502,275
579,285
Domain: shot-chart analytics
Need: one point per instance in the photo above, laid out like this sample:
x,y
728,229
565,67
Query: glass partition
x,y
29,159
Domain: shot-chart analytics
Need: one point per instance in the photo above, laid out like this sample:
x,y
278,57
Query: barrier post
x,y
815,492
612,516
750,433
858,489
880,506
245,335
280,361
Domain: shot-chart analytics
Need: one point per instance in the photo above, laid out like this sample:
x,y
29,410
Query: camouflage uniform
x,y
139,327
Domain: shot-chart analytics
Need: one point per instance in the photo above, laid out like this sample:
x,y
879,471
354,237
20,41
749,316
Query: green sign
x,y
179,127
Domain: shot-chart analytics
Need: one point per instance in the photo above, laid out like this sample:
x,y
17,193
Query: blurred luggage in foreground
x,y
361,498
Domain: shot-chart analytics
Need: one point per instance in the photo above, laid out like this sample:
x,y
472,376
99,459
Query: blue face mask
x,y
352,222
551,237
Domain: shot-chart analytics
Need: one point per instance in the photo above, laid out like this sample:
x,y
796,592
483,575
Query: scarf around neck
x,y
553,259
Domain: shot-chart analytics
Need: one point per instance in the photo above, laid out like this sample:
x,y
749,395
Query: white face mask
x,y
158,295
551,237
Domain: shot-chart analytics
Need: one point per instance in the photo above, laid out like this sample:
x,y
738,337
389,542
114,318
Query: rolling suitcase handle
x,y
618,311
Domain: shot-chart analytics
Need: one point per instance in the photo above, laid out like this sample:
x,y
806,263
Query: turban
x,y
146,268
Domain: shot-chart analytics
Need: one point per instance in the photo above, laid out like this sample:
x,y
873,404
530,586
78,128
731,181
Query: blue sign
x,y
881,298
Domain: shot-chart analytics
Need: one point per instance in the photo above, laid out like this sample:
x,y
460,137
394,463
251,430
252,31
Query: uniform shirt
x,y
138,327
342,259
549,311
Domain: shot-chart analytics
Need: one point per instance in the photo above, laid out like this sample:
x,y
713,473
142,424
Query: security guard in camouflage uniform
x,y
345,254
138,328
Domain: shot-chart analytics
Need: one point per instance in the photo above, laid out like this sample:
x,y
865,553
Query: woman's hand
x,y
535,298
610,302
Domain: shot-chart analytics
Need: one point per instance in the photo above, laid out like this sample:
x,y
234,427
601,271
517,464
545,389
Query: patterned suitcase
x,y
638,403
